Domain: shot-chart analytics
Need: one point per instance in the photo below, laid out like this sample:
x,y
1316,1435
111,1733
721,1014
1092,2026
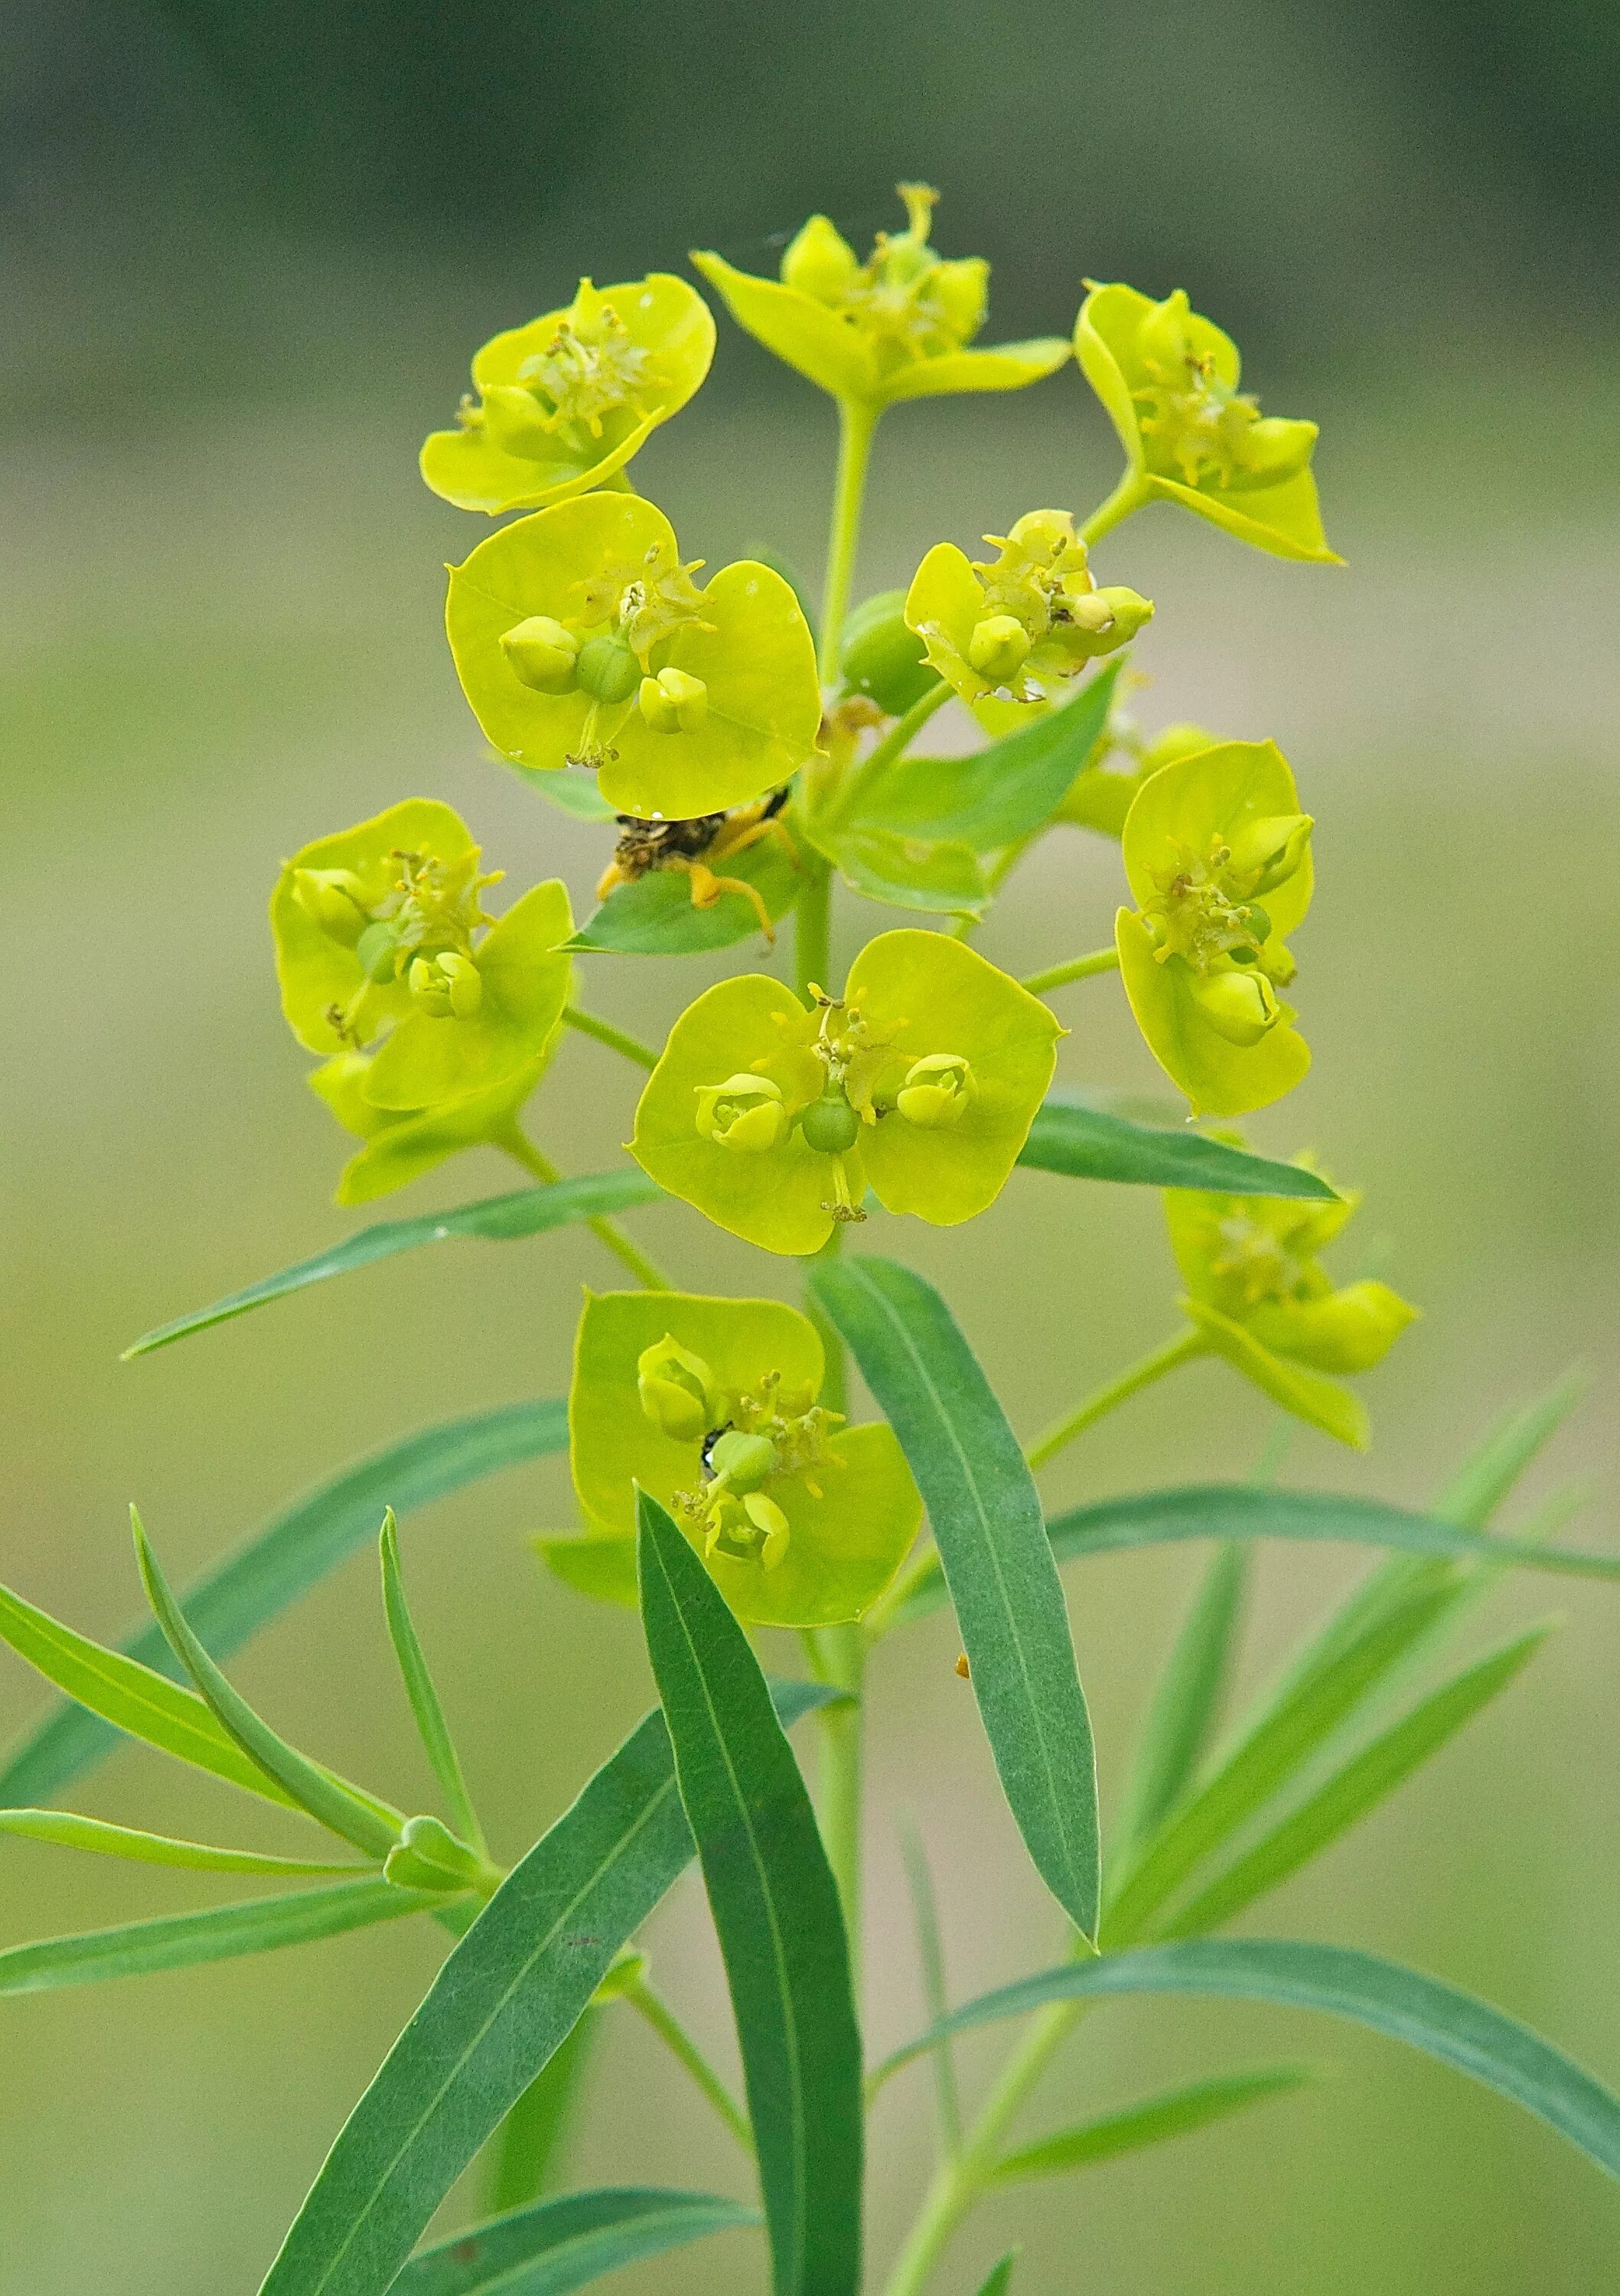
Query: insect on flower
x,y
695,846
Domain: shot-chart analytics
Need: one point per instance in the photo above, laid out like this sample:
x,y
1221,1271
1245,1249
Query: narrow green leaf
x,y
930,1961
1000,2279
907,873
1445,2023
1176,2113
566,2245
657,916
527,2147
505,1999
1489,1473
1257,1510
1186,1703
346,1809
221,1933
293,1552
986,1520
423,1697
1363,1781
1261,1764
776,1912
601,1564
68,1831
129,1697
497,1219
1084,1143
1003,791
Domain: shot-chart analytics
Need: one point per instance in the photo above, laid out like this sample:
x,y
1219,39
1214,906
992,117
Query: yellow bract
x,y
897,326
921,1081
1217,854
1169,382
581,638
567,400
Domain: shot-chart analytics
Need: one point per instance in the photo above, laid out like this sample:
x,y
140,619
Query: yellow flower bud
x,y
677,1390
446,987
673,703
937,1092
820,261
334,900
741,1462
1241,1006
1270,850
607,669
765,1516
543,652
1128,612
999,647
746,1113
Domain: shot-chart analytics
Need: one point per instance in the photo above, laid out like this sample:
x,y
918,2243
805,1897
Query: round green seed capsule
x,y
829,1125
607,669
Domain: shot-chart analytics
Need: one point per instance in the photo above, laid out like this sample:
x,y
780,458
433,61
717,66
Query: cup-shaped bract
x,y
897,326
1019,626
1169,380
1256,1291
802,1520
580,638
1217,854
921,1082
564,402
403,1143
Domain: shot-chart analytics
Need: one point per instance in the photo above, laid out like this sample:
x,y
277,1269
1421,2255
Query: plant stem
x,y
647,1272
812,924
616,1040
1128,496
1079,968
894,745
857,424
1183,1349
670,2030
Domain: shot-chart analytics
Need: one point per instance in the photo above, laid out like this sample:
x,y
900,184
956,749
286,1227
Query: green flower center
x,y
588,370
419,927
764,1438
1199,428
1201,913
1255,1264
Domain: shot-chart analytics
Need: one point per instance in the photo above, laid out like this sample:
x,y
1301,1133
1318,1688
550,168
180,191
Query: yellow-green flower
x,y
566,401
897,326
711,1405
383,928
1020,624
920,1082
403,1143
581,638
1218,856
1169,382
1257,1294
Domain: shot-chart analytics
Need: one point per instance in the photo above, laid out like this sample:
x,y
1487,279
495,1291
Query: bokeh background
x,y
248,253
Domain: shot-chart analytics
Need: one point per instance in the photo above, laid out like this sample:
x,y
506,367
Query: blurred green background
x,y
248,254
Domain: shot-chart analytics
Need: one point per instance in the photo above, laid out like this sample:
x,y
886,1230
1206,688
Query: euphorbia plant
x,y
722,1487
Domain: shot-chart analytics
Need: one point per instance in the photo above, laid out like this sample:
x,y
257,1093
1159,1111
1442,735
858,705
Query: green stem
x,y
839,1656
1079,968
647,1272
670,2030
1131,492
1183,1349
857,424
894,745
616,1039
812,924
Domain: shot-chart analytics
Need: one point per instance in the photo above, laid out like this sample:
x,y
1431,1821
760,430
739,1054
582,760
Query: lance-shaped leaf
x,y
655,914
908,872
999,793
1197,2105
293,1552
1084,1143
430,1722
1186,1703
66,1829
529,2142
567,2244
1362,1783
1000,2279
347,1810
776,1912
504,2002
221,1933
1420,2011
1262,1764
129,1697
497,1219
986,1520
